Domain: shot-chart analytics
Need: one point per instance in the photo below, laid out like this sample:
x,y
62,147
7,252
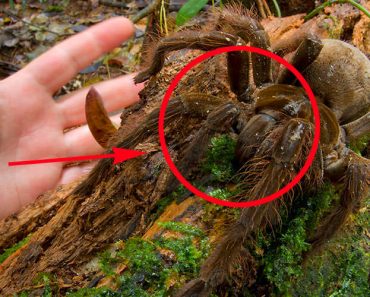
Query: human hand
x,y
33,123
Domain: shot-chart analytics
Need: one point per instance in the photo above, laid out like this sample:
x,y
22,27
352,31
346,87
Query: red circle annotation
x,y
262,200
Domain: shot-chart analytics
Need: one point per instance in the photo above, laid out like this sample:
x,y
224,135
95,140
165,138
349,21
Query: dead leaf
x,y
11,42
37,52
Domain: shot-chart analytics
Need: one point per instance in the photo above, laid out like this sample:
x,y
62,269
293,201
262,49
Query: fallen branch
x,y
113,4
146,11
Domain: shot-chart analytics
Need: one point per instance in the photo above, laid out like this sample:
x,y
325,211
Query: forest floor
x,y
30,30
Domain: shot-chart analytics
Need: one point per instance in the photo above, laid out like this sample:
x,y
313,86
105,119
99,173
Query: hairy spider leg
x,y
238,62
232,31
287,144
307,52
356,188
185,39
252,135
251,31
264,176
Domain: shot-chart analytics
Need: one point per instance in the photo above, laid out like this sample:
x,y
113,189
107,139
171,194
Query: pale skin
x,y
33,124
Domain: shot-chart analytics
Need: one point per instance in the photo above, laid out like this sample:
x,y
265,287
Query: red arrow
x,y
119,155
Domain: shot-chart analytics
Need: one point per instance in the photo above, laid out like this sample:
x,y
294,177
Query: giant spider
x,y
273,120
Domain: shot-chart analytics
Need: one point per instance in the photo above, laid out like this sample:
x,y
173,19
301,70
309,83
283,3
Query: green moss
x,y
131,285
190,249
283,256
342,268
94,292
182,228
15,247
188,255
55,8
45,282
22,294
219,158
149,273
313,207
106,262
283,264
142,258
212,211
359,145
222,194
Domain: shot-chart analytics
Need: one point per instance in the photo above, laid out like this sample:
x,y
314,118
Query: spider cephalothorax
x,y
274,123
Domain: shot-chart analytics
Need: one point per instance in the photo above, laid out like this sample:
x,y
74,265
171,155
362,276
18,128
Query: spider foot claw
x,y
141,77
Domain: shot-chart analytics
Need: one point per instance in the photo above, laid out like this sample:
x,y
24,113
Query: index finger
x,y
61,63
